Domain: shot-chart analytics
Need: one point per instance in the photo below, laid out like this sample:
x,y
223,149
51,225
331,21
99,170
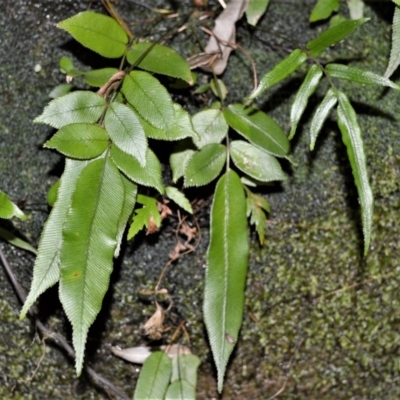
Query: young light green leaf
x,y
46,270
219,91
98,77
61,90
79,106
256,162
255,10
184,366
16,241
126,132
180,390
8,209
256,208
332,36
97,32
89,237
358,75
145,215
154,377
351,136
149,98
227,260
306,89
179,198
52,193
394,60
397,2
205,165
161,59
146,176
258,128
182,127
323,9
66,65
129,203
81,141
210,126
280,71
179,159
321,114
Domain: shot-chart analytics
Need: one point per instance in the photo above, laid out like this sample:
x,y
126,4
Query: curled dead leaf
x,y
154,326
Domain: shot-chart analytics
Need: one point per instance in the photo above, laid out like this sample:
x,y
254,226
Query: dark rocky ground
x,y
320,319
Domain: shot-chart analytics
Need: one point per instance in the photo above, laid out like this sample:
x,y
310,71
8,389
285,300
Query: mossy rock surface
x,y
320,320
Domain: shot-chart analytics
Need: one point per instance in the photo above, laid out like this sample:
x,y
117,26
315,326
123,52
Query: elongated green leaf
x,y
358,75
161,60
180,390
179,160
321,114
82,141
79,106
205,165
332,36
98,77
46,270
52,193
210,126
280,71
129,203
227,260
179,198
258,128
184,366
255,162
97,32
146,176
8,209
126,132
307,88
149,98
16,241
255,10
351,135
89,240
323,9
394,60
154,377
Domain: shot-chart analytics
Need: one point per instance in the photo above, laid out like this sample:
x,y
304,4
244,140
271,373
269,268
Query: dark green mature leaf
x,y
394,60
149,98
184,366
161,60
227,260
129,203
182,127
255,10
332,36
79,106
280,71
154,377
179,198
258,128
180,390
323,9
256,205
126,132
179,160
306,89
351,136
210,126
256,162
82,141
358,75
321,114
98,77
46,271
89,239
8,209
146,176
97,32
205,165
